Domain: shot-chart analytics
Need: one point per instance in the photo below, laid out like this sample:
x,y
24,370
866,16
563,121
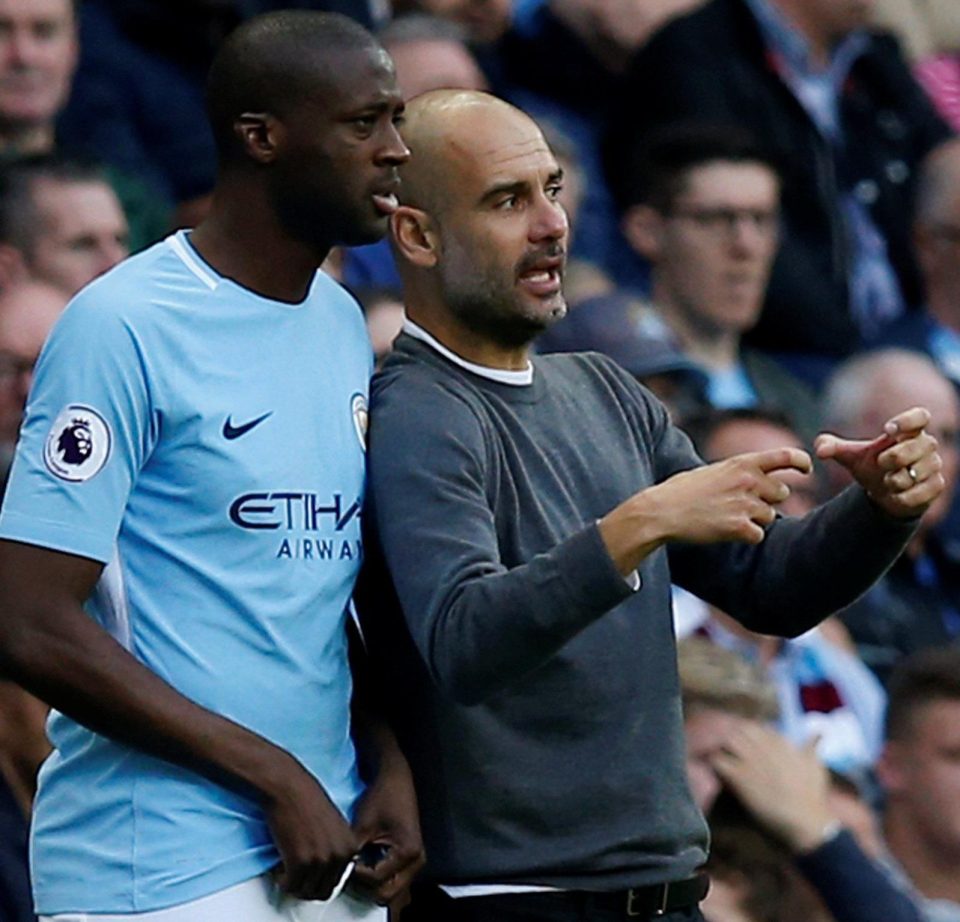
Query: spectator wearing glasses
x,y
702,205
850,126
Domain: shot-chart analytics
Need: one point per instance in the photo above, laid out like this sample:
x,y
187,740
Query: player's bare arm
x,y
54,649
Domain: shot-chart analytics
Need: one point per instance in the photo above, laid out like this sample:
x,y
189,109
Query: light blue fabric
x,y
207,444
731,389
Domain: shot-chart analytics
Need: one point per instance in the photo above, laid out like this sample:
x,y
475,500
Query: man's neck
x,y
934,872
242,240
716,350
943,307
26,139
469,345
801,18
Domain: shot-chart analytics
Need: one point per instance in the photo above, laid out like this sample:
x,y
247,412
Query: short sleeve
x,y
87,430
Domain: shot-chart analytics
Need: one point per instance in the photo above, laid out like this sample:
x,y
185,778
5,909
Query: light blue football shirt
x,y
207,445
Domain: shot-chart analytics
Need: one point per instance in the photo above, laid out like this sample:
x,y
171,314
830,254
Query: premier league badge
x,y
78,444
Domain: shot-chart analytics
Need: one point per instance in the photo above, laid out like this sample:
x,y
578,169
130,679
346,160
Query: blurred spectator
x,y
634,336
920,774
939,75
703,206
842,115
824,691
38,55
771,807
15,900
138,97
383,312
923,27
583,278
719,689
924,585
936,330
430,53
62,220
28,311
485,21
614,31
720,434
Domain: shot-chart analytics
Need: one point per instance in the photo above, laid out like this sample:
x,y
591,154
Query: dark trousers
x,y
431,904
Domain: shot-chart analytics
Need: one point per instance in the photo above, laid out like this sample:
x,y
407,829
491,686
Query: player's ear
x,y
415,237
260,134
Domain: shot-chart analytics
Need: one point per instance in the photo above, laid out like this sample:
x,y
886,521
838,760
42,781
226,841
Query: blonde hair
x,y
719,679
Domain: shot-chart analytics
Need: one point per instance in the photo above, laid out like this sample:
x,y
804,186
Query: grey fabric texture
x,y
537,696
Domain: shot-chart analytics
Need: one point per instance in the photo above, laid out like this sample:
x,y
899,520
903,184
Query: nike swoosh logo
x,y
234,432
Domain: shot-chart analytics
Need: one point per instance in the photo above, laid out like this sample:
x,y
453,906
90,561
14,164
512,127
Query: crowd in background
x,y
765,206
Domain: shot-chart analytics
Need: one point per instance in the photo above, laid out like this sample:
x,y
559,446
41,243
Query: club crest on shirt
x,y
361,418
78,445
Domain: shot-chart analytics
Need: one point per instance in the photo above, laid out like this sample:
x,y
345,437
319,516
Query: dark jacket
x,y
713,65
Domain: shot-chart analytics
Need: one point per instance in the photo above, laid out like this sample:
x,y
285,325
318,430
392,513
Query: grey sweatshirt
x,y
537,695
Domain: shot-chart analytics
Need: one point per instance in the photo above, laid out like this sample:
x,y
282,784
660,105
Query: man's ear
x,y
13,267
889,767
260,134
415,236
643,228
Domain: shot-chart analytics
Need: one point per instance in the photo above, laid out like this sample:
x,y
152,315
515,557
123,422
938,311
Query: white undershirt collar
x,y
522,378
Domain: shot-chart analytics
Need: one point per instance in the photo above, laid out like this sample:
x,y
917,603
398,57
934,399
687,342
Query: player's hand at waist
x,y
731,500
386,822
314,840
900,469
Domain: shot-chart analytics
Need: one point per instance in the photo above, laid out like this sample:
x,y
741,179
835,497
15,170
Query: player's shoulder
x,y
336,301
585,366
134,288
412,369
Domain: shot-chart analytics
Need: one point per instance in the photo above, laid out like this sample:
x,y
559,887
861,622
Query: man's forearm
x,y
65,658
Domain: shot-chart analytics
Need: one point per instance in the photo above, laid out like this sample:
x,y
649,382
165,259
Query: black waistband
x,y
649,902
654,900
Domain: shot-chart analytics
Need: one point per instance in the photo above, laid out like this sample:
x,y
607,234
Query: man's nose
x,y
395,151
550,221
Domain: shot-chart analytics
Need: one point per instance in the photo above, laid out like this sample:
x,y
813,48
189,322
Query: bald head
x,y
480,233
449,132
274,63
867,390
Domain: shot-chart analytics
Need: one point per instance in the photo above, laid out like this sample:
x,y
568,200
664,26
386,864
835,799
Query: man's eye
x,y
554,191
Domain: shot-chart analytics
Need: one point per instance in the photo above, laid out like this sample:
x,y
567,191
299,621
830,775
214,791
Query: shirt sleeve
x,y
852,886
87,430
804,569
